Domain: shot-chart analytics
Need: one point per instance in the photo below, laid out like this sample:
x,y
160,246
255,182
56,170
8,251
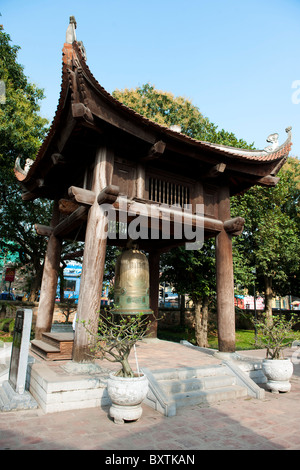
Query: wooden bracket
x,y
71,222
58,159
28,196
156,151
268,180
234,226
108,195
215,170
66,206
44,230
82,196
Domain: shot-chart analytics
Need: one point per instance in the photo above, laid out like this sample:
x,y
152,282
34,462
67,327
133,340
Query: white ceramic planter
x,y
278,373
126,394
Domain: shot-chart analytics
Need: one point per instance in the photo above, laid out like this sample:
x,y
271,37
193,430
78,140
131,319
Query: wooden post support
x,y
93,260
154,291
49,280
225,287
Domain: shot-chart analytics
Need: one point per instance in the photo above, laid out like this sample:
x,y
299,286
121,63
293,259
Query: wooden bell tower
x,y
103,163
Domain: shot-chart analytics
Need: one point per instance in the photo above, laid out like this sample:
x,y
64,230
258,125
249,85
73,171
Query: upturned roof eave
x,y
234,154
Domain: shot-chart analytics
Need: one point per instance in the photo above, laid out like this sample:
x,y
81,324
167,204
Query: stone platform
x,y
178,376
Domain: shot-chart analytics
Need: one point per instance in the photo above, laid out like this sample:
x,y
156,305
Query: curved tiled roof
x,y
257,155
73,51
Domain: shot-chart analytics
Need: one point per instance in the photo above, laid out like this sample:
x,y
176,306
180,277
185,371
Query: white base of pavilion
x,y
67,385
64,385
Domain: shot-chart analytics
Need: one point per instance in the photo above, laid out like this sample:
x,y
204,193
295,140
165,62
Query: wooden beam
x,y
128,209
234,226
73,255
81,195
93,259
66,206
216,170
28,196
268,181
156,151
108,195
44,230
58,159
71,222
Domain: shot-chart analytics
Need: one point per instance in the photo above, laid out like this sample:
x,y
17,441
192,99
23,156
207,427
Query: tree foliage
x,y
275,335
166,109
270,241
191,272
116,336
21,132
21,127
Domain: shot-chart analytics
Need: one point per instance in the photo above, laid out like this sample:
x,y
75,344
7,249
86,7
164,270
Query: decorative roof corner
x,y
273,140
71,34
19,171
270,153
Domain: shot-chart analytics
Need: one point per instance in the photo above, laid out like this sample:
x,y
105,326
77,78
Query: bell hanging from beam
x,y
131,294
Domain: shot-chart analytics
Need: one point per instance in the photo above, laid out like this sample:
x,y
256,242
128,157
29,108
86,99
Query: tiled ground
x,y
250,424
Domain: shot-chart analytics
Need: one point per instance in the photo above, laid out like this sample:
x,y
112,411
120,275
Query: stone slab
x,y
68,385
11,400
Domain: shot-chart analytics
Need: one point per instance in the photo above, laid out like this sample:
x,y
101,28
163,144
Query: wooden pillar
x,y
154,291
225,283
49,280
93,260
140,182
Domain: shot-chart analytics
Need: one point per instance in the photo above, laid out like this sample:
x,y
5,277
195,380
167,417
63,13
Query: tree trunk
x,y
36,283
201,320
268,297
182,311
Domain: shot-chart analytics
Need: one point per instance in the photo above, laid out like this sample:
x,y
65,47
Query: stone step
x,y
209,396
190,372
197,383
173,388
4,369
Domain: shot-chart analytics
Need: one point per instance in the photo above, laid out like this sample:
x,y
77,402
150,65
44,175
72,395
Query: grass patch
x,y
245,339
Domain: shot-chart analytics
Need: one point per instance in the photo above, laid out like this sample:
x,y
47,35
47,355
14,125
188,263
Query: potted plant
x,y
116,336
275,334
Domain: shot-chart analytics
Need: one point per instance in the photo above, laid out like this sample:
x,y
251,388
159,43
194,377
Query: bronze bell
x,y
131,294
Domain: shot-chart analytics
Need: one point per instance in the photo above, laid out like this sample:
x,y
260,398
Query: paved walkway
x,y
247,423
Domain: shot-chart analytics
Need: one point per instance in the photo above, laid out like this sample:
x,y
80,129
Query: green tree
x,y
21,133
270,242
21,127
166,109
191,272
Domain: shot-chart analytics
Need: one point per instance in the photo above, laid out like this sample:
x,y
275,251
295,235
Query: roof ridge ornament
x,y
273,140
27,166
71,34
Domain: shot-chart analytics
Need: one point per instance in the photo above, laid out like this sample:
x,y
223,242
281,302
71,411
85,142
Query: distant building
x,y
72,277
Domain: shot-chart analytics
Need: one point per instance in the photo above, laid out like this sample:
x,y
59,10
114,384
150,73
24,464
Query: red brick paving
x,y
244,424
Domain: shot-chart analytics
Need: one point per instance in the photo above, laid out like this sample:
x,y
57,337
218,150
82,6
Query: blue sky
x,y
236,60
